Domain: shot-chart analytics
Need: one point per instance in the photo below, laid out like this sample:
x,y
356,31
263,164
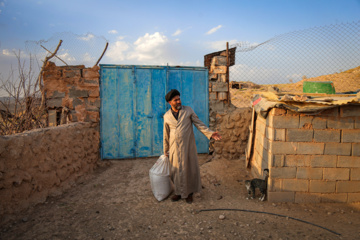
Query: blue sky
x,y
161,32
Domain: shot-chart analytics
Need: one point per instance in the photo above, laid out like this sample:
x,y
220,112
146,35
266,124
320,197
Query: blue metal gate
x,y
133,104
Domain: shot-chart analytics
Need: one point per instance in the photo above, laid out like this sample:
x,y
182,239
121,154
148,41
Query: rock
x,y
221,217
25,219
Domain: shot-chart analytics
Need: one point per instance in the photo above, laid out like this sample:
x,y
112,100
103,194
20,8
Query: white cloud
x,y
178,32
66,57
15,52
211,31
149,47
116,51
113,32
8,52
120,38
87,37
87,58
149,42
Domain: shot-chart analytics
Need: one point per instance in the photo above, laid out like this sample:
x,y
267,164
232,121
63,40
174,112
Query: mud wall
x,y
310,158
44,162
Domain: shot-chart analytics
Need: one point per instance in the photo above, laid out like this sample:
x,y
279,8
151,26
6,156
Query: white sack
x,y
160,181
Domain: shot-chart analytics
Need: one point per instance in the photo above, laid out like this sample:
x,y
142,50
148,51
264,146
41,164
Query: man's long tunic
x,y
179,141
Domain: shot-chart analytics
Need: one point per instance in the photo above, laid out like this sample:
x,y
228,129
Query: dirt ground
x,y
116,202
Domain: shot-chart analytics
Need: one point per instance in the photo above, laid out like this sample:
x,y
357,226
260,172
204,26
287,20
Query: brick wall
x,y
72,93
310,158
218,85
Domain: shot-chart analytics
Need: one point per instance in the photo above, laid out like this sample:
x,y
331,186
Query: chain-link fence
x,y
327,53
74,50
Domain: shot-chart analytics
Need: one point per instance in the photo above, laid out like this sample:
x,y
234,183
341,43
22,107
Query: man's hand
x,y
216,136
166,154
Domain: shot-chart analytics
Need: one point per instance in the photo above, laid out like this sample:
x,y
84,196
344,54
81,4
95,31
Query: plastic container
x,y
318,87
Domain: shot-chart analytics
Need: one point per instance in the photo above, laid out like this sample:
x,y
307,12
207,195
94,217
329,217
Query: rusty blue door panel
x,y
133,105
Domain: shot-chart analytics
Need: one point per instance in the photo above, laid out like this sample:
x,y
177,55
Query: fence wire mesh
x,y
74,50
327,53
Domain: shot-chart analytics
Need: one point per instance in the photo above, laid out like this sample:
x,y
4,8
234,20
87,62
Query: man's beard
x,y
178,107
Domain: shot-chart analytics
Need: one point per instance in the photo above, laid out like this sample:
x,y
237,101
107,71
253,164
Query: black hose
x,y
274,214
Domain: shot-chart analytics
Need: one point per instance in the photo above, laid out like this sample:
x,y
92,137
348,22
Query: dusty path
x,y
116,202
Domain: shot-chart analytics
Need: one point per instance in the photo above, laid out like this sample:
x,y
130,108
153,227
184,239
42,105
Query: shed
x,y
309,143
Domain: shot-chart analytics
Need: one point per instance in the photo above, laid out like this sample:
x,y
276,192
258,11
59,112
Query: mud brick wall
x,y
44,162
232,123
74,88
310,158
218,87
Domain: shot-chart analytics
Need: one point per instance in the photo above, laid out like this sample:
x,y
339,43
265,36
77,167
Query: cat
x,y
251,185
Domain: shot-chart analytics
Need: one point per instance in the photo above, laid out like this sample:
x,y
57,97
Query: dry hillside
x,y
345,81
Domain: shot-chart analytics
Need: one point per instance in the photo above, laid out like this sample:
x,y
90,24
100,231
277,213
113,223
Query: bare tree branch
x,y
55,55
106,46
20,111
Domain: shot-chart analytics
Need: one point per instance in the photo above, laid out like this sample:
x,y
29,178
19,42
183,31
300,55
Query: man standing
x,y
180,147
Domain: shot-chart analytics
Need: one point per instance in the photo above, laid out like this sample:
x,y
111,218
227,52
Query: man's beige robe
x,y
179,140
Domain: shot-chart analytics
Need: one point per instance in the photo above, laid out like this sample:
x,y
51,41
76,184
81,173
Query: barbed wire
x,y
290,58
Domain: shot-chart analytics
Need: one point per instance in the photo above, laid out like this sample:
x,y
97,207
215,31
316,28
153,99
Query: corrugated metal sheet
x,y
133,105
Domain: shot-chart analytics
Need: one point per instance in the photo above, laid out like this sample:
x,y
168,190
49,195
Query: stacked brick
x,y
218,85
74,89
310,158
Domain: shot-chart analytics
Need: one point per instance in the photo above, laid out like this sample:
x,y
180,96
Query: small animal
x,y
251,185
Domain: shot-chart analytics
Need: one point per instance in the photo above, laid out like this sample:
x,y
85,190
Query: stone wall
x,y
44,162
233,126
310,158
72,94
231,122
